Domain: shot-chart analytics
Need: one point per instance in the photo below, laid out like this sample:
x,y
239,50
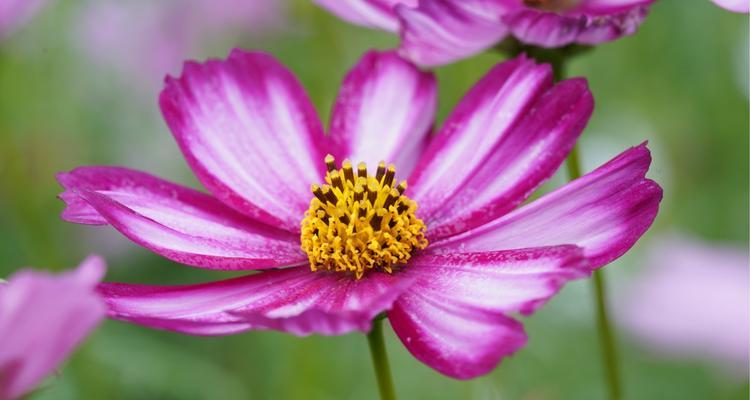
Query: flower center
x,y
552,5
358,222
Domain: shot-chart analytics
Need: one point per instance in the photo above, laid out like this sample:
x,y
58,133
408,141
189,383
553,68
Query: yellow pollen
x,y
358,222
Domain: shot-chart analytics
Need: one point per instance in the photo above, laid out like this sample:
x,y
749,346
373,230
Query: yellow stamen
x,y
356,224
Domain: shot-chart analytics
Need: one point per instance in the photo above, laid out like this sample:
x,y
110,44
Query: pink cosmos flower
x,y
145,40
435,32
14,13
355,245
42,318
691,300
738,6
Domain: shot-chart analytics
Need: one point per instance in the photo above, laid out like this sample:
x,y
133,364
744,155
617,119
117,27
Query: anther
x,y
318,192
346,166
377,219
401,187
336,180
359,193
329,195
330,163
372,193
362,170
388,181
381,171
392,196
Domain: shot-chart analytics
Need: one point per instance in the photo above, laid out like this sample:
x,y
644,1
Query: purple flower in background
x,y
14,13
145,40
435,32
738,6
42,318
691,300
450,260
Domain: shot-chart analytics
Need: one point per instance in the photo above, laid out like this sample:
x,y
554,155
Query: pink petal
x,y
443,31
369,13
294,300
42,318
604,212
591,22
738,6
454,318
385,110
249,132
527,154
482,120
456,342
181,224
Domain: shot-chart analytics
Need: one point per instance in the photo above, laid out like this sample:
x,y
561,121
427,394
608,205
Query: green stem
x,y
574,166
609,351
606,338
380,360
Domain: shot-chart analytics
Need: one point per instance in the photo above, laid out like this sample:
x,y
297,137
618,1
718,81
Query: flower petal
x,y
249,132
483,118
456,342
528,154
442,31
42,318
454,318
369,13
592,22
181,224
604,212
384,111
738,6
294,300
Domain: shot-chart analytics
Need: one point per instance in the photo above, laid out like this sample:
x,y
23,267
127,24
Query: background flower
x,y
738,6
14,13
145,40
42,318
691,300
435,32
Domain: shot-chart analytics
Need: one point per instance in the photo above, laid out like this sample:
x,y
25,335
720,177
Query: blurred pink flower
x,y
14,13
42,318
252,137
435,32
738,6
145,40
691,300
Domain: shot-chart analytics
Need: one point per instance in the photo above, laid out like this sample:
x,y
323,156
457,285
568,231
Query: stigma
x,y
358,222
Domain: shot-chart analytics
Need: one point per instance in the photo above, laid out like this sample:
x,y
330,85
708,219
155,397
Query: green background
x,y
680,83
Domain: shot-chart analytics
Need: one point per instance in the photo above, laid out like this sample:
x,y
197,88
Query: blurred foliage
x,y
680,83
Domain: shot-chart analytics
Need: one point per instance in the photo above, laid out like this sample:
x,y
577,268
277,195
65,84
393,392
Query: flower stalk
x,y
380,360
